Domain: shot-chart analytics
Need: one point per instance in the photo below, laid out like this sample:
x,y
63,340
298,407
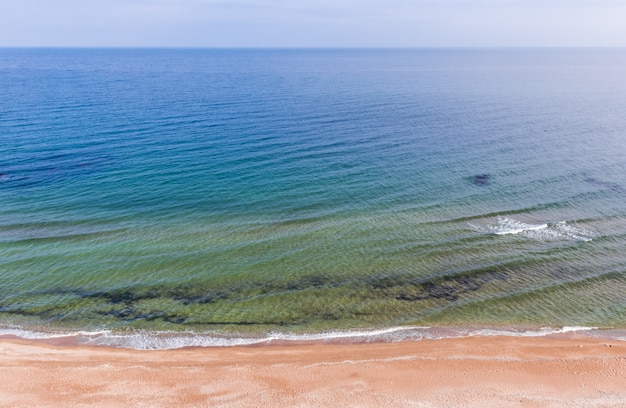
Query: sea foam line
x,y
147,340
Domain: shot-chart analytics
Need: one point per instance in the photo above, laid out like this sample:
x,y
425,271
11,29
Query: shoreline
x,y
170,340
476,371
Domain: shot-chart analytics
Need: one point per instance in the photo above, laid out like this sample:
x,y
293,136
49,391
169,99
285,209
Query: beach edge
x,y
468,371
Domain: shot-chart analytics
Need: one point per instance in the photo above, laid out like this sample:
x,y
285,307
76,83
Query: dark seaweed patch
x,y
448,288
124,313
607,185
124,304
210,297
307,282
188,295
387,282
431,290
48,315
121,296
131,314
481,179
196,294
127,304
24,312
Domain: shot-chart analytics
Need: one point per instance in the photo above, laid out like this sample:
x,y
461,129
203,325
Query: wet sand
x,y
463,372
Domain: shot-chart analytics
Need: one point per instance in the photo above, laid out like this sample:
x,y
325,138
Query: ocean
x,y
228,196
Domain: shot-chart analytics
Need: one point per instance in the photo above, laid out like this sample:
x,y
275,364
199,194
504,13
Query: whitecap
x,y
557,231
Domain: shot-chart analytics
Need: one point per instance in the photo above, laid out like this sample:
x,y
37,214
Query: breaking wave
x,y
557,231
153,340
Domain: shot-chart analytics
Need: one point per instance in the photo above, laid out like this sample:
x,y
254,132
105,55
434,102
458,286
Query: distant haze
x,y
313,23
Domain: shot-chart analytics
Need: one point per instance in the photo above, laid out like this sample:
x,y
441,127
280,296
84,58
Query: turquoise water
x,y
244,192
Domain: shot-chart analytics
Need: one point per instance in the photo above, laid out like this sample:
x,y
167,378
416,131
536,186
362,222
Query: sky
x,y
313,23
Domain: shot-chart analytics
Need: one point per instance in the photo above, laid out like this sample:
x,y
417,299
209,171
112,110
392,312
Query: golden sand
x,y
463,372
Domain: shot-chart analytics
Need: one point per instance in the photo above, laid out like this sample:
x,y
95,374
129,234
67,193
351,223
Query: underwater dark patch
x,y
189,295
122,296
126,304
448,288
307,282
481,179
607,185
197,294
131,314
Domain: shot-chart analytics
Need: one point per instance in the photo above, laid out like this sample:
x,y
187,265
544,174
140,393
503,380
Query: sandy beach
x,y
471,371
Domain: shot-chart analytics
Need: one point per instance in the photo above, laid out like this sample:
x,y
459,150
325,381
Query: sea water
x,y
236,194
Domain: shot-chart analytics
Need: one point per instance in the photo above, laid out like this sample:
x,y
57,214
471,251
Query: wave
x,y
557,231
152,340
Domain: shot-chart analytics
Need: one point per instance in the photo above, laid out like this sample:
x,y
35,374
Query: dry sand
x,y
471,371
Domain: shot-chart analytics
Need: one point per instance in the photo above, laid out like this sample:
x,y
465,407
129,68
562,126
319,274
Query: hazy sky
x,y
313,23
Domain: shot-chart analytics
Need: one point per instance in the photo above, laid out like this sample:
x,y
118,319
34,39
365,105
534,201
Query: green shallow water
x,y
312,276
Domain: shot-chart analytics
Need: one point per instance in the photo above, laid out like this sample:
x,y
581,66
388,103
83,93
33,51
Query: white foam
x,y
166,340
147,340
544,331
558,231
172,340
567,329
43,335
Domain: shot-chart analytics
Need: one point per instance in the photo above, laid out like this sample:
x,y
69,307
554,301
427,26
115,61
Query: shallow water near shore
x,y
301,192
168,340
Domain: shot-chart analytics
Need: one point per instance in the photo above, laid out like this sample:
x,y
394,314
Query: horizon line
x,y
423,47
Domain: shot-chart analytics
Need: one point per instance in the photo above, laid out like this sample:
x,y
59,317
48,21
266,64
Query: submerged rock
x,y
605,184
481,179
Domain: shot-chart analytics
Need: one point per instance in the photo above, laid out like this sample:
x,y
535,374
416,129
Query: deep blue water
x,y
310,190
